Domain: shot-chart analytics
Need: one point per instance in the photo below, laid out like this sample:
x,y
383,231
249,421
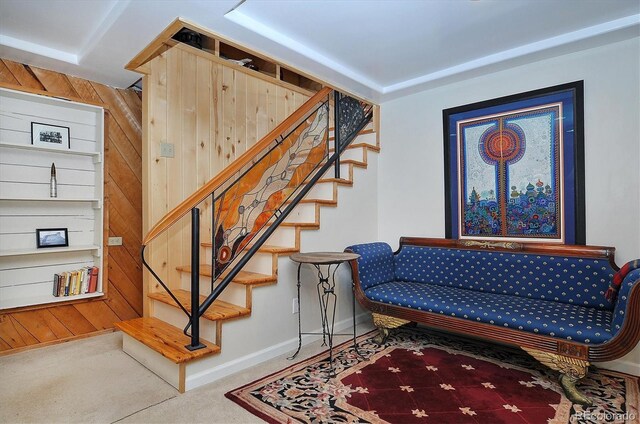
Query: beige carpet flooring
x,y
93,381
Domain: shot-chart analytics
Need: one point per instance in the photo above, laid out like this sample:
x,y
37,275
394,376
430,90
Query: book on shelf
x,y
73,283
93,279
66,283
56,284
85,280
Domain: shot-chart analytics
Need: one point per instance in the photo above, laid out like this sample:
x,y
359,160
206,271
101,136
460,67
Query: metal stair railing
x,y
255,194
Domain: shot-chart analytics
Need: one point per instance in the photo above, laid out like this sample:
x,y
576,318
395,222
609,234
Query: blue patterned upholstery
x,y
375,264
623,295
552,295
579,281
571,322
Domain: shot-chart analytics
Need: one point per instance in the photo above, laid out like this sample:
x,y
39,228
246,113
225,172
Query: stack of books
x,y
73,283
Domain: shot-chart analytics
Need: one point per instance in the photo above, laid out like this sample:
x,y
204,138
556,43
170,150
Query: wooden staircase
x,y
158,341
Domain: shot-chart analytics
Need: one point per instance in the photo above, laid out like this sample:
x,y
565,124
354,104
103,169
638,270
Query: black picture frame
x,y
52,237
570,96
50,136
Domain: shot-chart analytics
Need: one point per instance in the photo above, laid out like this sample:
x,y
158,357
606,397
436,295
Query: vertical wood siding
x,y
26,327
211,113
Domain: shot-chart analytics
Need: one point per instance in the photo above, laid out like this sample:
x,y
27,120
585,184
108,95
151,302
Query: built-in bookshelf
x,y
27,272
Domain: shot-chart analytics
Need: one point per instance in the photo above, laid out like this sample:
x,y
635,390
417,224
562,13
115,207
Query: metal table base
x,y
327,299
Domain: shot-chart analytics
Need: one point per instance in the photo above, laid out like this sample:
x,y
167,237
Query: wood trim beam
x,y
155,47
50,94
603,252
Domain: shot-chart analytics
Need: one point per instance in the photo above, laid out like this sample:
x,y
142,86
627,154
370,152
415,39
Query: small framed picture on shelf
x,y
50,136
52,237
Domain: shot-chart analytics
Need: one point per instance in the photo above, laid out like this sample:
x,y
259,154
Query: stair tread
x,y
243,277
219,311
354,162
167,340
359,146
300,224
362,132
365,130
342,181
365,145
318,201
271,248
265,248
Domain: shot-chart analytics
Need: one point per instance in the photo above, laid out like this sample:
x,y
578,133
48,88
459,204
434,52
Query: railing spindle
x,y
195,281
336,131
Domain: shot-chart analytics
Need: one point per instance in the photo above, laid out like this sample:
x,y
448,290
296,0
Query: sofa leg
x,y
383,334
384,323
571,371
568,384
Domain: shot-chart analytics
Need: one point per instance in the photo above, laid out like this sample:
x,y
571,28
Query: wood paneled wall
x,y
211,113
24,327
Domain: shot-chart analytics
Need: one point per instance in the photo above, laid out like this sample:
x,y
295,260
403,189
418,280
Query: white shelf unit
x,y
50,199
97,155
26,272
21,252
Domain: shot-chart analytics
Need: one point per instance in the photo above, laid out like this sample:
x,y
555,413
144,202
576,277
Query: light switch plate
x,y
115,241
167,150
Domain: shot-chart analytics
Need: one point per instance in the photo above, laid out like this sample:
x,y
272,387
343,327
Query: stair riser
x,y
283,236
324,187
303,212
368,127
368,138
357,153
177,318
188,379
260,263
322,191
157,363
344,172
234,293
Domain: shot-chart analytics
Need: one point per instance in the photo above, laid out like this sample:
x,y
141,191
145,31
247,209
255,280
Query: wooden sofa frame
x,y
571,359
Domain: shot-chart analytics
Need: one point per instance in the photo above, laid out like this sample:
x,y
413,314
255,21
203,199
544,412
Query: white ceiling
x,y
378,49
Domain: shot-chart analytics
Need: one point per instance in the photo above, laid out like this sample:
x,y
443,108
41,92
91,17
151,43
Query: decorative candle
x,y
53,185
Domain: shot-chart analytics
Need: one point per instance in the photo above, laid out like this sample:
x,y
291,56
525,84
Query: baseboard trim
x,y
626,366
260,356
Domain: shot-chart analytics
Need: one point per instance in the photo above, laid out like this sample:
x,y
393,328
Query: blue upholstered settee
x,y
547,299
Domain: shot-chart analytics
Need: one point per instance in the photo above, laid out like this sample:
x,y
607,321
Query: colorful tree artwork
x,y
511,174
514,167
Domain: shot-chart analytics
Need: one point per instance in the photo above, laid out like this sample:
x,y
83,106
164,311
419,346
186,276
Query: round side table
x,y
326,292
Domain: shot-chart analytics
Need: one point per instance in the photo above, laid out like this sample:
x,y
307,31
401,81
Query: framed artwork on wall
x,y
514,167
50,136
52,237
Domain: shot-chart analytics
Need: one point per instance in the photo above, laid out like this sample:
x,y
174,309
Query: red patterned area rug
x,y
425,377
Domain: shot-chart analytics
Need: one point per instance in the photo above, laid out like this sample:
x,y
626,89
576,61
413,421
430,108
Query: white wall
x,y
272,329
411,181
